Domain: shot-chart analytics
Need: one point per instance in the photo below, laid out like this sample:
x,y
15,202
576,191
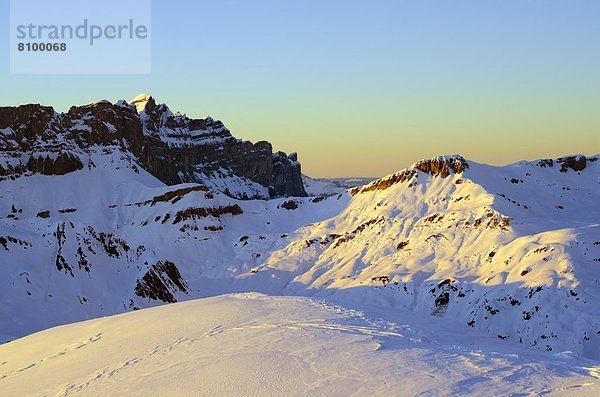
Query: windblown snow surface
x,y
479,281
252,344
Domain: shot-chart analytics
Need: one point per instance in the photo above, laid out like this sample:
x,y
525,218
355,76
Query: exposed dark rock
x,y
287,176
30,119
443,299
106,124
4,240
402,244
447,281
60,261
161,282
359,229
443,166
54,144
43,214
112,245
576,163
382,279
543,163
175,155
216,212
290,205
62,164
82,261
175,195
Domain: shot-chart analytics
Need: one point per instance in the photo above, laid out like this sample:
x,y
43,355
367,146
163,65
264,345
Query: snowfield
x,y
252,344
449,277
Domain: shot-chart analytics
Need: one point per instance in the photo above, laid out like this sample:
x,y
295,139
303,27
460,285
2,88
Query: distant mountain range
x,y
332,186
114,207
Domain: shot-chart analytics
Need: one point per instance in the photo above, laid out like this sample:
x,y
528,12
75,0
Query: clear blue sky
x,y
366,88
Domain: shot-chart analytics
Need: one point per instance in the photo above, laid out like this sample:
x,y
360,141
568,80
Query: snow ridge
x,y
509,251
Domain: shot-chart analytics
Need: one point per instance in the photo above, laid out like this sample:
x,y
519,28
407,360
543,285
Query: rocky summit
x,y
172,147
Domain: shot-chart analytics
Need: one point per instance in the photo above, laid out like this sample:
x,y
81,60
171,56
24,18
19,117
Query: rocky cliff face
x,y
194,149
36,139
287,175
441,166
172,147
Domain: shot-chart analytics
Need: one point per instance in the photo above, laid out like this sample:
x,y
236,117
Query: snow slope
x,y
252,344
512,252
76,246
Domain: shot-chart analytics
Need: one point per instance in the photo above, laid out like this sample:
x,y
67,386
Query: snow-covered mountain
x,y
95,221
171,146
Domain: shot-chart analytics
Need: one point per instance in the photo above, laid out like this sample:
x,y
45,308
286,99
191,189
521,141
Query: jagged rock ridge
x,y
172,147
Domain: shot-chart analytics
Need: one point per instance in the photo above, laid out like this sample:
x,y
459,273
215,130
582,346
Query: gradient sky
x,y
366,87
